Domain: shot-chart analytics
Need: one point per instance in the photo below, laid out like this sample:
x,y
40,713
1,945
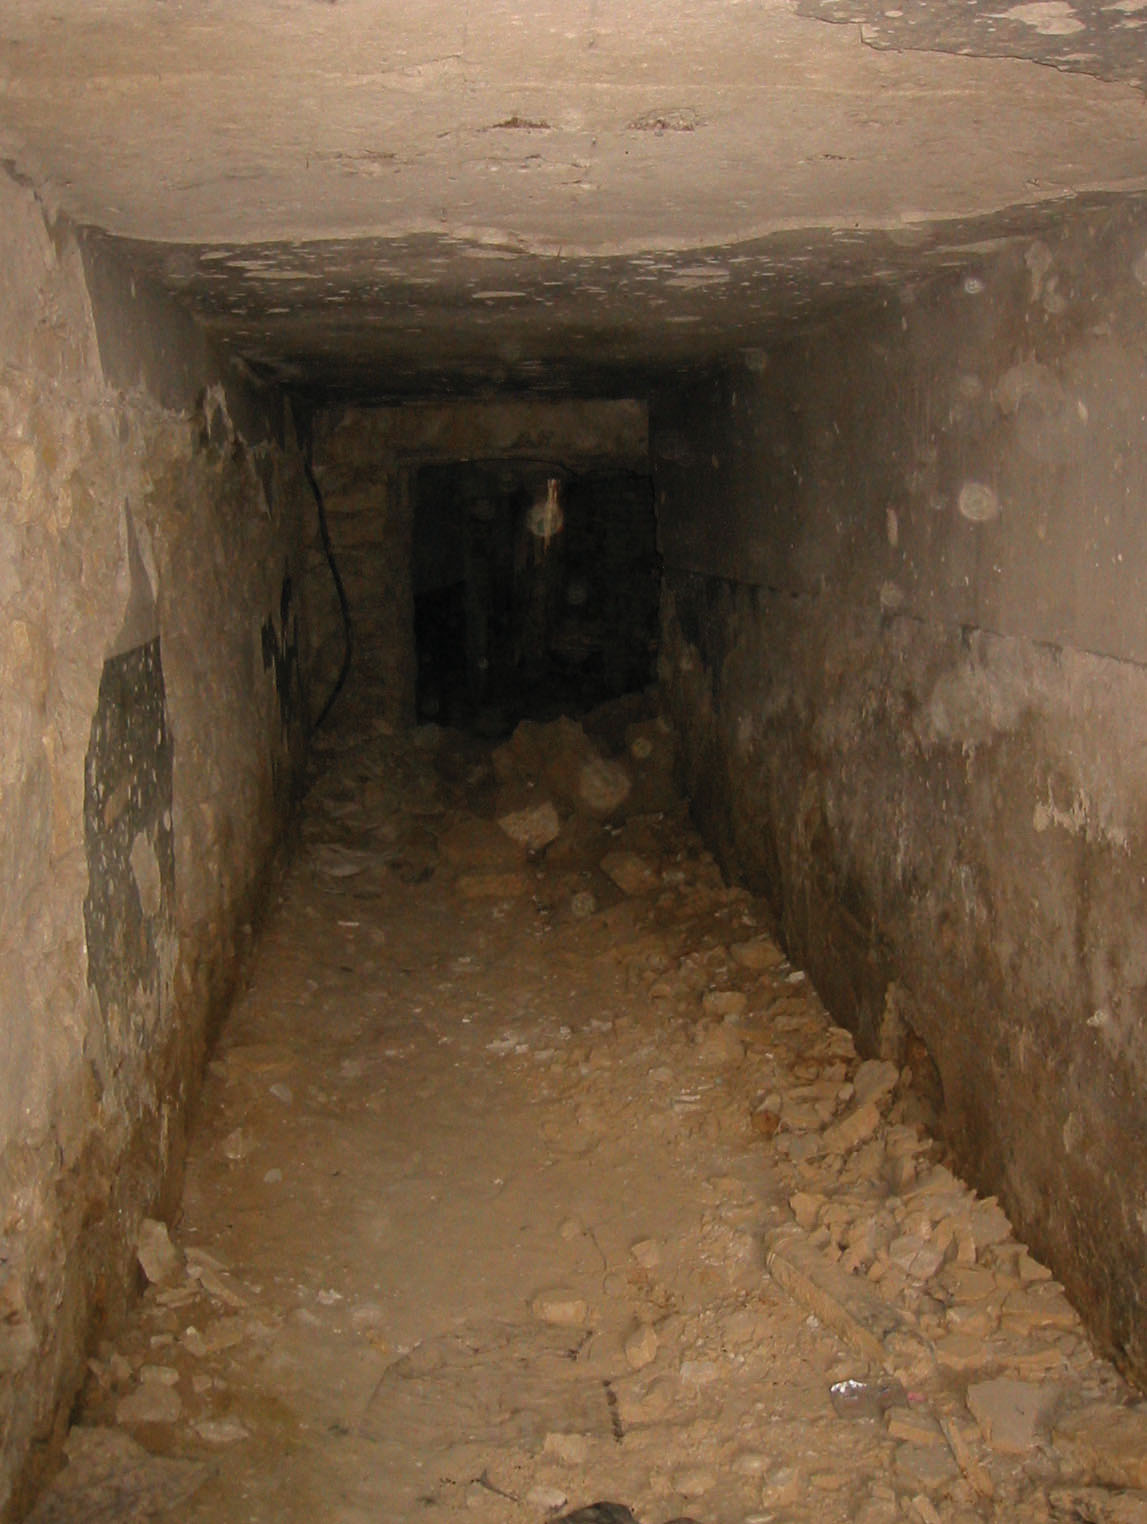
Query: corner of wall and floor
x,y
152,727
905,640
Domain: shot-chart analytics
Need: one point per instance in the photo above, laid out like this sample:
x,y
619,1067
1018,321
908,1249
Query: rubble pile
x,y
532,1174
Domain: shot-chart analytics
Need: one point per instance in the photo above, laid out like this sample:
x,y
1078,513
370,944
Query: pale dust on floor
x,y
481,1195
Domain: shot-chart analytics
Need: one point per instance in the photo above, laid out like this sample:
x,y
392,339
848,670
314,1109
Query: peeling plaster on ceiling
x,y
1103,38
366,195
360,317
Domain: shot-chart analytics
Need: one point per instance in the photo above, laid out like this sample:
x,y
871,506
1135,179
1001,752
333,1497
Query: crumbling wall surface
x,y
904,638
150,734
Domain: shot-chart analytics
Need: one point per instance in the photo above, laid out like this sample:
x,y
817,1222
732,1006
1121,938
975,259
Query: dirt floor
x,y
529,1179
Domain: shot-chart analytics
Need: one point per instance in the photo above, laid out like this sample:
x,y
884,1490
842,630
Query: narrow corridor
x,y
528,1179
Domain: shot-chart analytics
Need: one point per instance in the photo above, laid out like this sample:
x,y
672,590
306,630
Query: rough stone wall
x,y
366,498
904,637
150,737
363,462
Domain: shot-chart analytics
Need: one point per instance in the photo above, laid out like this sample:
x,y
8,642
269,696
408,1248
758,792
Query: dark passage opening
x,y
535,590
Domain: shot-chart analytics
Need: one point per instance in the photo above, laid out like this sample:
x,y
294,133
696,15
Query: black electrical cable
x,y
328,550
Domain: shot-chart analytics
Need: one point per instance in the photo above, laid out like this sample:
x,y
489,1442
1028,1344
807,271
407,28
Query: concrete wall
x,y
364,459
905,627
150,737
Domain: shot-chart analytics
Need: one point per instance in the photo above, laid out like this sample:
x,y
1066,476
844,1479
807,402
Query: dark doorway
x,y
535,590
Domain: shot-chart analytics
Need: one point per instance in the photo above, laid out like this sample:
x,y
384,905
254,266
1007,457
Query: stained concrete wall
x,y
150,737
364,460
905,629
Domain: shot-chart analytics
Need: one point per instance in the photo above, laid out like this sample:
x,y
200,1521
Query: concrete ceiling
x,y
394,199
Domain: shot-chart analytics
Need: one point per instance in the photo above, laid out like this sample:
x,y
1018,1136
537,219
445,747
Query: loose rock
x,y
532,827
149,1403
1013,1415
561,1308
641,1347
159,1259
1108,1443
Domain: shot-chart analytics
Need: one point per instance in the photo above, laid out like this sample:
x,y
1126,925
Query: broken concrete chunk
x,y
159,1375
647,1253
561,1308
1040,1305
875,1080
960,1445
211,1275
914,1426
805,1206
928,1466
631,873
963,1352
918,1257
220,1431
109,1476
758,954
853,1312
1107,1443
989,1223
532,827
548,1499
724,1005
641,1347
151,1402
159,1259
1013,1415
856,1127
603,786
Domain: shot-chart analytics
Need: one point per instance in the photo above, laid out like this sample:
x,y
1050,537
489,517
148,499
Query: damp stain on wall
x,y
129,907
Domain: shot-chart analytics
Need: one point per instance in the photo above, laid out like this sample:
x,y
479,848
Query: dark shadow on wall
x,y
535,590
129,909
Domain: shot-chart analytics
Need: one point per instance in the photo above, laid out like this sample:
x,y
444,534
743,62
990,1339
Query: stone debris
x,y
534,826
1107,1443
647,1253
159,1259
560,1307
561,758
1097,1505
213,1277
221,1431
758,954
1014,1416
548,1499
862,1319
151,1402
874,1081
899,1356
109,1477
492,886
603,786
724,1005
631,873
852,1130
641,1347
